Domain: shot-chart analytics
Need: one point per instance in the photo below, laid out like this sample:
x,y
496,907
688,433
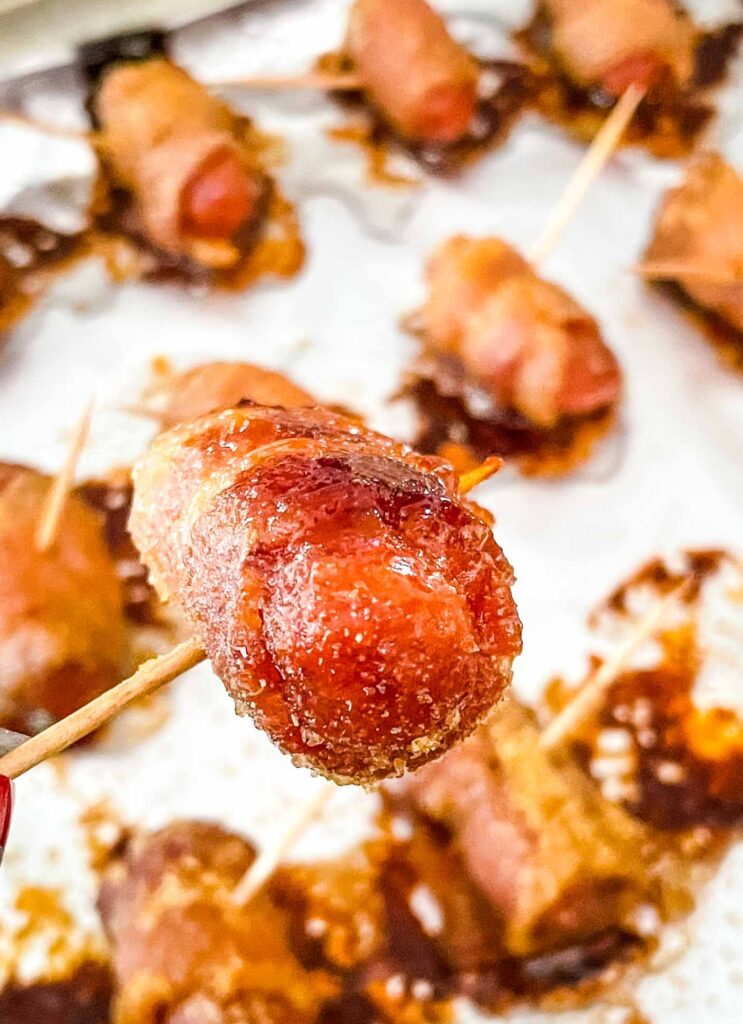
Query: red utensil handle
x,y
6,808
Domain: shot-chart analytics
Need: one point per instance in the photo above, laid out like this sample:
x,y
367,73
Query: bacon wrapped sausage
x,y
183,953
179,397
177,150
348,597
613,43
697,241
521,340
423,82
557,862
61,618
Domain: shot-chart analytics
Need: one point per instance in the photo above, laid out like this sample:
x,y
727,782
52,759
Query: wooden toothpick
x,y
589,696
316,80
61,486
598,153
669,269
148,677
79,134
271,856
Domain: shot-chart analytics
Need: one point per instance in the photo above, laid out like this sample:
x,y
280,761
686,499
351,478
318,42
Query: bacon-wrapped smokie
x,y
611,44
61,620
179,397
183,953
422,81
697,240
178,151
349,598
522,343
557,862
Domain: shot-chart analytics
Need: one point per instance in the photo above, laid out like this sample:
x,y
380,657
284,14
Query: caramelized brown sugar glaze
x,y
670,119
350,600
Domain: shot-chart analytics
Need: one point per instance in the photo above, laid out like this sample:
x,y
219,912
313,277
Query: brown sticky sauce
x,y
104,833
447,427
680,767
723,335
496,113
30,255
112,499
668,121
84,997
47,925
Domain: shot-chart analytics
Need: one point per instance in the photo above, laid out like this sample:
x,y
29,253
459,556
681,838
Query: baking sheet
x,y
670,478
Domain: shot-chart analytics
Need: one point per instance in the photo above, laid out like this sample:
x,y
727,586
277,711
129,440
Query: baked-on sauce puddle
x,y
678,767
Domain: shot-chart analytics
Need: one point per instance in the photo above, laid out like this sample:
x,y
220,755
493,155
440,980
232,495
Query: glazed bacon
x,y
179,397
184,954
697,240
351,601
521,340
614,43
422,81
61,618
178,151
557,862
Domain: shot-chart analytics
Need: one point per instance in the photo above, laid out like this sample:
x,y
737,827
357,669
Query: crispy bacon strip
x,y
422,80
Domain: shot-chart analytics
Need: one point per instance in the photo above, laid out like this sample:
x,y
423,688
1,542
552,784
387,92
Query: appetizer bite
x,y
557,863
352,602
588,52
62,634
189,178
200,958
510,364
175,397
697,247
421,89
